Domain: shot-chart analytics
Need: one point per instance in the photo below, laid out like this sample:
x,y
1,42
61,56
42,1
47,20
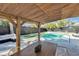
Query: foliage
x,y
34,26
62,23
51,26
75,28
57,24
4,23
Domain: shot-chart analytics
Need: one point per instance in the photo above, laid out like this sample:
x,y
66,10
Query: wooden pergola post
x,y
38,47
18,27
39,32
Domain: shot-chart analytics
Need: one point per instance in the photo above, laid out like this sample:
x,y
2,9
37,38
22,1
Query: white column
x,y
11,28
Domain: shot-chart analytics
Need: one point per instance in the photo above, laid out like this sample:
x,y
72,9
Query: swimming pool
x,y
57,38
52,36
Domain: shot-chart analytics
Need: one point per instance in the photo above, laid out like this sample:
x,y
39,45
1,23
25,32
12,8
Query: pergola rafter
x,y
12,18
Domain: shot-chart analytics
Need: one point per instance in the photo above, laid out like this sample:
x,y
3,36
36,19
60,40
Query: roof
x,y
39,12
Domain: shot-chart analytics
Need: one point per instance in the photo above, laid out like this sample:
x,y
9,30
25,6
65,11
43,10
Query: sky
x,y
74,19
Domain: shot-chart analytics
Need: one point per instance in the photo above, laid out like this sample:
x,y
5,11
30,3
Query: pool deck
x,y
72,47
48,49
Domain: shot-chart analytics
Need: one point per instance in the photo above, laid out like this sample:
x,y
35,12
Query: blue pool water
x,y
52,36
55,38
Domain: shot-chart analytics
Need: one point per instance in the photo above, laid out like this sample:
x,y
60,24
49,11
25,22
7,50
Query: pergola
x,y
19,13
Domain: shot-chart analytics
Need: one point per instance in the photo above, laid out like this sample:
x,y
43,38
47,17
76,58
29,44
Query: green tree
x,y
4,23
75,28
56,24
51,26
62,23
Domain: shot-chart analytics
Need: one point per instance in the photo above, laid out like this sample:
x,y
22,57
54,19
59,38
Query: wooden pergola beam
x,y
10,17
13,22
24,21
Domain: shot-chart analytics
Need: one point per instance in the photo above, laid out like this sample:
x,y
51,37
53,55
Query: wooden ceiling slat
x,y
43,11
6,15
41,19
27,10
4,7
53,10
69,11
40,12
34,14
52,6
